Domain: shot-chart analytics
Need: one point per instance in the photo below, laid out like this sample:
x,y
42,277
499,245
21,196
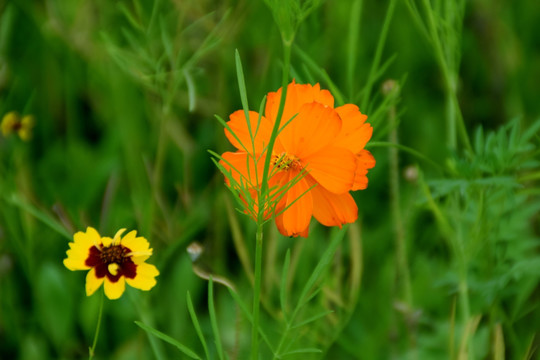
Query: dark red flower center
x,y
114,254
100,259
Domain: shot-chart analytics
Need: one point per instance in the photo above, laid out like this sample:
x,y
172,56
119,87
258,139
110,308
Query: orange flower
x,y
321,150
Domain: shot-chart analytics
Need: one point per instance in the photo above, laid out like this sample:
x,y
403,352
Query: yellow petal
x,y
118,236
106,241
24,134
87,239
75,262
145,278
114,290
134,243
8,122
80,249
27,123
92,282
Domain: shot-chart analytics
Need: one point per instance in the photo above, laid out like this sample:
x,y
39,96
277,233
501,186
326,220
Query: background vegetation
x,y
443,262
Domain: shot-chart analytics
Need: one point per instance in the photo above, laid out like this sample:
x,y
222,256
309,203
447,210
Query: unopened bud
x,y
411,173
390,86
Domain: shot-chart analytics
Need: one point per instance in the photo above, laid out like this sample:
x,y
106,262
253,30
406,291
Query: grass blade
x,y
213,318
312,319
248,316
38,214
196,324
187,351
303,351
283,287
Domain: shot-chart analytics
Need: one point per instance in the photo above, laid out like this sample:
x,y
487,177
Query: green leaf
x,y
38,214
247,314
196,324
303,351
187,351
213,318
283,287
312,319
55,305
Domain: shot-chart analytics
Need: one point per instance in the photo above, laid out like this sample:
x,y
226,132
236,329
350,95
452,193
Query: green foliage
x,y
126,94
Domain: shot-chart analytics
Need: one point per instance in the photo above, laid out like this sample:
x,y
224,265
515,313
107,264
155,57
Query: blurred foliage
x,y
124,95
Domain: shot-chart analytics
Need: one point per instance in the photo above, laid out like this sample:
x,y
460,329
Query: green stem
x,y
91,351
463,289
402,266
454,118
284,82
401,252
257,293
378,53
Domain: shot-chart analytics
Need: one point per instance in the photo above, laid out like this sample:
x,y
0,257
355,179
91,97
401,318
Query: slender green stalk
x,y
257,293
418,154
147,318
401,253
402,266
307,291
354,34
213,319
463,287
91,351
157,172
284,82
378,53
263,195
454,118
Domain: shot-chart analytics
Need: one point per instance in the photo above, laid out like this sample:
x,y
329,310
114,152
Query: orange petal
x,y
242,168
355,132
297,95
315,127
295,220
275,192
351,116
333,168
245,139
364,161
333,209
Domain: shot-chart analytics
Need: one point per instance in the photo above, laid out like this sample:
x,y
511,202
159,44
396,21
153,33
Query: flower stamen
x,y
113,269
286,162
114,254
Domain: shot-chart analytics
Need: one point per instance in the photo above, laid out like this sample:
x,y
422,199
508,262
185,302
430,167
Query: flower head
x,y
13,123
112,261
318,157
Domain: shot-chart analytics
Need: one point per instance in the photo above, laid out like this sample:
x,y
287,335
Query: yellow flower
x,y
112,261
12,122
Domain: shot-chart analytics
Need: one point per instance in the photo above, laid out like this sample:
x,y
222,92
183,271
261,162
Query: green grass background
x,y
124,95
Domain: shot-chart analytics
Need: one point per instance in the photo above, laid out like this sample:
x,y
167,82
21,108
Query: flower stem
x,y
463,290
263,195
91,351
284,82
403,280
257,293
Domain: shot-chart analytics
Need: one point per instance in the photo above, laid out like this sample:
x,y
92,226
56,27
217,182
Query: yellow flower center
x,y
114,254
286,162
